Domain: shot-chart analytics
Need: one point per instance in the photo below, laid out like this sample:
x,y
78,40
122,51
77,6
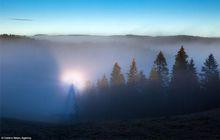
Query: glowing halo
x,y
74,77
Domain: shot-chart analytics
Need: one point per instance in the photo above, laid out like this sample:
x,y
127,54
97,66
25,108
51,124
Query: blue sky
x,y
111,17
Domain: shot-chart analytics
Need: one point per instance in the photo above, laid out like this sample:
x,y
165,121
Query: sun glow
x,y
74,77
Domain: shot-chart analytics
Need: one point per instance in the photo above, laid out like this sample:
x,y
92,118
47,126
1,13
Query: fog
x,y
99,53
31,70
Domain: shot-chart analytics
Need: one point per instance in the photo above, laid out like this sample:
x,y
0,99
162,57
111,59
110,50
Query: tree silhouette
x,y
148,97
133,74
102,83
160,65
210,74
117,78
179,79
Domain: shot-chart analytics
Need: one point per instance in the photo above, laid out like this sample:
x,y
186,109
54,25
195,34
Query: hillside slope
x,y
204,125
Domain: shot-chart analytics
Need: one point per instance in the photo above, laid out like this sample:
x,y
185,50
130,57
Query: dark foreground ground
x,y
204,125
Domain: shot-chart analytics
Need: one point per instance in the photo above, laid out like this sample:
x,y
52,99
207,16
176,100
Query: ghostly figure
x,y
71,104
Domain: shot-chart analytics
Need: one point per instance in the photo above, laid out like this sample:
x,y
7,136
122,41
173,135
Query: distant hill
x,y
145,39
149,39
11,36
8,37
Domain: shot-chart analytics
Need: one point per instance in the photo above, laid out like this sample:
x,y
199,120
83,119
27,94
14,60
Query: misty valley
x,y
110,69
60,81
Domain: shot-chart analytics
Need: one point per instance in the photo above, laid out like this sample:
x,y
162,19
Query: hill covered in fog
x,y
149,39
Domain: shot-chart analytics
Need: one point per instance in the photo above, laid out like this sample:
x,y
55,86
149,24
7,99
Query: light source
x,y
74,77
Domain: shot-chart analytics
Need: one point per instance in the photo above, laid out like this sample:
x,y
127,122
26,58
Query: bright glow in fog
x,y
74,77
75,60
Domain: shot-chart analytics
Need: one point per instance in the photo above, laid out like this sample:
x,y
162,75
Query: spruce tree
x,y
179,82
133,74
179,79
210,74
117,78
160,65
102,83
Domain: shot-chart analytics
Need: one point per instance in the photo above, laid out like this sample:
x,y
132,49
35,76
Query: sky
x,y
111,17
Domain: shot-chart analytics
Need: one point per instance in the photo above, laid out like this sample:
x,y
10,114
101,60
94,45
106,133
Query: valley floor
x,y
204,125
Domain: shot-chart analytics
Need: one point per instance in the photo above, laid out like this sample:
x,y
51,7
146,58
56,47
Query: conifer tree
x,y
117,78
104,82
133,74
160,65
179,79
210,74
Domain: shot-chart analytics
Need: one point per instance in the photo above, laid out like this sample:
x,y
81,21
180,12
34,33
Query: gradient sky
x,y
110,17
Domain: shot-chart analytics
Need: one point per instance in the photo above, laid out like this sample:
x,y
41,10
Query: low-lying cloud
x,y
21,19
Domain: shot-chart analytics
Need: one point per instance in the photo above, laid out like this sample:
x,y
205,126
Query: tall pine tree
x,y
160,65
117,78
103,83
179,79
179,82
210,74
133,74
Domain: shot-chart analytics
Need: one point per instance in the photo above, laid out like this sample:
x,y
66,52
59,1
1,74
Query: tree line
x,y
183,90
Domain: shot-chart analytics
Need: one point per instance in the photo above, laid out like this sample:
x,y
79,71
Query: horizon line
x,y
102,35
